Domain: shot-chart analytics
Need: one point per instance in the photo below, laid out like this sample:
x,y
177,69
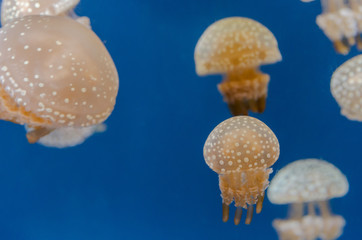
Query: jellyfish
x,y
356,6
54,74
339,24
236,47
346,88
307,185
241,150
11,9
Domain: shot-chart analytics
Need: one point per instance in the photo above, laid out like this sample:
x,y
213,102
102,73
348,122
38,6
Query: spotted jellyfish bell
x,y
11,9
236,47
310,182
54,74
346,88
241,150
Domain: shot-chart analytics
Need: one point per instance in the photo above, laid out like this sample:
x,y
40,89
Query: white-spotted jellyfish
x,y
54,73
307,185
11,9
236,47
241,150
346,88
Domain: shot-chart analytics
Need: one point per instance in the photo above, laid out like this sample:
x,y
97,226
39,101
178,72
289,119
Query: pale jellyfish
x,y
356,6
11,9
236,47
339,23
54,74
346,88
309,183
241,150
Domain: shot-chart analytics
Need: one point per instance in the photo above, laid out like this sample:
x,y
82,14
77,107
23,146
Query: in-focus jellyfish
x,y
236,47
11,9
308,183
346,88
241,150
54,74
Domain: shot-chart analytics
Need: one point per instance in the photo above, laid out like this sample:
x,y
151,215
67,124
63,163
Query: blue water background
x,y
145,178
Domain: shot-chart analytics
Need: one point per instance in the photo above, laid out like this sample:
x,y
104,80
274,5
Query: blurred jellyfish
x,y
341,22
241,150
356,6
310,182
236,47
54,74
11,9
346,88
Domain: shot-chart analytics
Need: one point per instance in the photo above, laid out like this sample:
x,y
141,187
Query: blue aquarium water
x,y
145,177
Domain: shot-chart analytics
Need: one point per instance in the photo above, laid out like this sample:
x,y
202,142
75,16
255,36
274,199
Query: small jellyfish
x,y
339,24
356,6
236,47
11,9
308,183
54,73
241,150
346,88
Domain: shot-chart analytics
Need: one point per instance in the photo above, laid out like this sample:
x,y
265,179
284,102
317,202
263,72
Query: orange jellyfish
x,y
346,88
241,150
236,47
11,9
308,183
54,74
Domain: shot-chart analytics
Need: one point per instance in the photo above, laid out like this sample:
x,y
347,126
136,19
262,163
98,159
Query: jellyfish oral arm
x,y
245,89
244,187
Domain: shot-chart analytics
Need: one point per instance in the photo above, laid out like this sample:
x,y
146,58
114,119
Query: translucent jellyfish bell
x,y
11,9
236,47
312,182
241,150
54,73
346,88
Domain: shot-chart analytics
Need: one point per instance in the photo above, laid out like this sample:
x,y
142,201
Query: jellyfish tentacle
x,y
225,212
249,214
311,209
244,90
324,208
296,210
35,134
259,204
238,214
